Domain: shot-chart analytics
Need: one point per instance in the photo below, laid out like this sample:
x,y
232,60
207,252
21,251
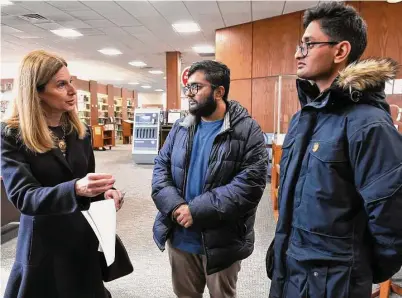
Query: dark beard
x,y
205,108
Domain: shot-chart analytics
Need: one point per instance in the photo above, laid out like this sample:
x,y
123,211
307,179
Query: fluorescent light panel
x,y
156,71
204,49
186,27
110,52
5,3
146,86
137,63
159,90
66,32
133,83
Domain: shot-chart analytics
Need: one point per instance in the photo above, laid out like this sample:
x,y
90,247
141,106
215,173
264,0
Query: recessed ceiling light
x,y
159,90
66,32
146,86
186,27
164,78
393,1
133,83
110,52
5,3
137,63
204,49
156,71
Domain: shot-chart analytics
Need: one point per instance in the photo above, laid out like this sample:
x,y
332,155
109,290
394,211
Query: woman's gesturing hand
x,y
94,184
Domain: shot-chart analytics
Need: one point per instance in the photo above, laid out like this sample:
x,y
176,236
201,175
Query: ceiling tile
x,y
86,15
202,7
41,8
6,29
12,20
235,7
100,23
210,22
232,19
15,10
266,9
77,24
49,26
28,28
292,6
62,17
171,8
137,30
90,32
114,31
110,10
24,35
139,8
68,5
125,21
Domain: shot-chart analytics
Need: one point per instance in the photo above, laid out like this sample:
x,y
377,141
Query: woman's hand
x,y
94,184
117,196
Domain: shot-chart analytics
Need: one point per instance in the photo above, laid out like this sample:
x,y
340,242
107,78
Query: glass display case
x,y
146,135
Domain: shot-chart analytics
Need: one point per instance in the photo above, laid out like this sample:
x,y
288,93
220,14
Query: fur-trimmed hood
x,y
360,82
367,74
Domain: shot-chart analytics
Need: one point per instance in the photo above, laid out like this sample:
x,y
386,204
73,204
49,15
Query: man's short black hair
x,y
216,73
341,23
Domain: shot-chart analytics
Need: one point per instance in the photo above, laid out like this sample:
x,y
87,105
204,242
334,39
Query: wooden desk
x,y
127,132
102,138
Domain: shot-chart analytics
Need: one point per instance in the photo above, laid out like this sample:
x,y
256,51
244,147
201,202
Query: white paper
x,y
398,86
101,216
389,85
173,117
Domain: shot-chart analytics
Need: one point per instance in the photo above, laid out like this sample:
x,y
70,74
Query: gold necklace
x,y
61,143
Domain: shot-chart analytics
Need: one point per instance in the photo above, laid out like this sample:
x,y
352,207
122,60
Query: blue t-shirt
x,y
189,240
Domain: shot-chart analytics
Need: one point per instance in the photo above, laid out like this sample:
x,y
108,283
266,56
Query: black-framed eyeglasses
x,y
305,46
195,87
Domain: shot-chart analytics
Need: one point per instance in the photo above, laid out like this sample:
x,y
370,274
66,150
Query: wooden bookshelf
x,y
118,116
130,109
103,109
84,106
103,136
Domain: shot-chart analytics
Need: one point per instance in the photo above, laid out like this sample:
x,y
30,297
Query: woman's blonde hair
x,y
27,116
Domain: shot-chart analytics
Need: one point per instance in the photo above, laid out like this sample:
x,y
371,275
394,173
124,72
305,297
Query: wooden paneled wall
x,y
258,52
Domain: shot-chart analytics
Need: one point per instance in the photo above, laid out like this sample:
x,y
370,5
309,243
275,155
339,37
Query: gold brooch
x,y
315,147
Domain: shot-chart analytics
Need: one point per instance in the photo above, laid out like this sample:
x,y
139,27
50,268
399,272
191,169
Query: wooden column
x,y
134,103
110,100
124,93
173,67
93,89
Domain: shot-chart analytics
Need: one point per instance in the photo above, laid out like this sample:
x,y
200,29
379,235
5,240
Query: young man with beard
x,y
340,201
208,180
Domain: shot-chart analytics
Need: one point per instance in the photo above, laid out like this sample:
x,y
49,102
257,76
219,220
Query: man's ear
x,y
220,92
342,52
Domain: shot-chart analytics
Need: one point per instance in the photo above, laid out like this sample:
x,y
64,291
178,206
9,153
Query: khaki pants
x,y
189,276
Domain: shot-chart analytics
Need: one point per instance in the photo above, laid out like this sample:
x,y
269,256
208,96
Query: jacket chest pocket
x,y
326,190
328,167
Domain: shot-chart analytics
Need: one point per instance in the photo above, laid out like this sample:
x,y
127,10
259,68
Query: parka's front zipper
x,y
204,190
188,156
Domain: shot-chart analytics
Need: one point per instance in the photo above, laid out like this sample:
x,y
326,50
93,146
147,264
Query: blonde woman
x,y
48,165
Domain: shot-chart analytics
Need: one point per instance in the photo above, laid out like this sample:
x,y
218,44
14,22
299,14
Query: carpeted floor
x,y
151,277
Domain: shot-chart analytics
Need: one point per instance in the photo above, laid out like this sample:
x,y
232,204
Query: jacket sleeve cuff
x,y
83,202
